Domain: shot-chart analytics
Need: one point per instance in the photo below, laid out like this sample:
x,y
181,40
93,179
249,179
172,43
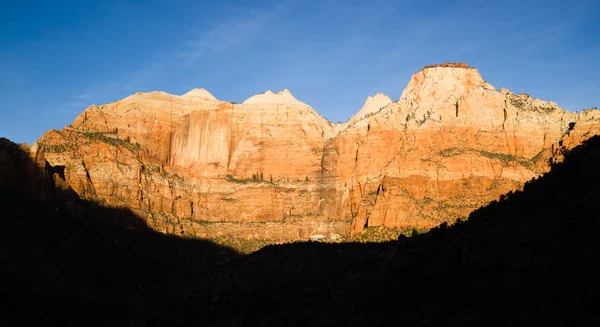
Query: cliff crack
x,y
456,109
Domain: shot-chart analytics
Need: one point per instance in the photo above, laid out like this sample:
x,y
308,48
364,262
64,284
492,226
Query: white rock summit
x,y
200,93
283,97
372,105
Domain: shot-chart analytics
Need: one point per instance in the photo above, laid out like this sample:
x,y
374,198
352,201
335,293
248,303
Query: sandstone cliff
x,y
273,168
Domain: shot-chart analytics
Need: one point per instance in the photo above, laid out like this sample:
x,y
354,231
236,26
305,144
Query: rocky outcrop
x,y
373,105
450,144
283,97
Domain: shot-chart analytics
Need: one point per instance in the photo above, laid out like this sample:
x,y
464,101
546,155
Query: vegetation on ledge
x,y
450,64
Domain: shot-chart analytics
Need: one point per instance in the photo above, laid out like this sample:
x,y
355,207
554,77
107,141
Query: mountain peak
x,y
442,81
373,104
201,93
283,97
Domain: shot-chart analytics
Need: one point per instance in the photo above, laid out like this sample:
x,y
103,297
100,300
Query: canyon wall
x,y
273,168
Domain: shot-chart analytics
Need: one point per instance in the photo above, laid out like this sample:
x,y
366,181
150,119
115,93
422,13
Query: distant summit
x,y
200,93
283,97
438,83
373,104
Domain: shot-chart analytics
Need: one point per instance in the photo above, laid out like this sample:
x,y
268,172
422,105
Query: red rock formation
x,y
192,164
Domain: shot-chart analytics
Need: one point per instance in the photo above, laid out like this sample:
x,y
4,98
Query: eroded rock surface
x,y
195,165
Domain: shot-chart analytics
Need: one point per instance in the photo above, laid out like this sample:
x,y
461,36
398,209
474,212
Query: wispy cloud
x,y
232,32
222,37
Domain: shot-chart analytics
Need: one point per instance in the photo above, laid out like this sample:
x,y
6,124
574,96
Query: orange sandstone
x,y
273,168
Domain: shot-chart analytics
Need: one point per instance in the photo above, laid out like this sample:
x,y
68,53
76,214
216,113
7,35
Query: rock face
x,y
195,165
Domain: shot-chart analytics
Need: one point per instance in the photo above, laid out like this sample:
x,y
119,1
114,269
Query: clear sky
x,y
59,57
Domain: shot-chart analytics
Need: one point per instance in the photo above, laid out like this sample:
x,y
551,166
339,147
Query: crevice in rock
x,y
87,173
505,114
456,109
571,126
89,178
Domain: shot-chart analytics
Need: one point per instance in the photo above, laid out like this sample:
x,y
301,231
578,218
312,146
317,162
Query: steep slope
x,y
372,105
198,166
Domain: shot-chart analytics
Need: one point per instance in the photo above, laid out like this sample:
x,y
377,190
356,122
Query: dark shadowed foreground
x,y
528,259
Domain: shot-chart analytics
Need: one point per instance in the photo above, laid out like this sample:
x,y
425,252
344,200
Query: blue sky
x,y
59,57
